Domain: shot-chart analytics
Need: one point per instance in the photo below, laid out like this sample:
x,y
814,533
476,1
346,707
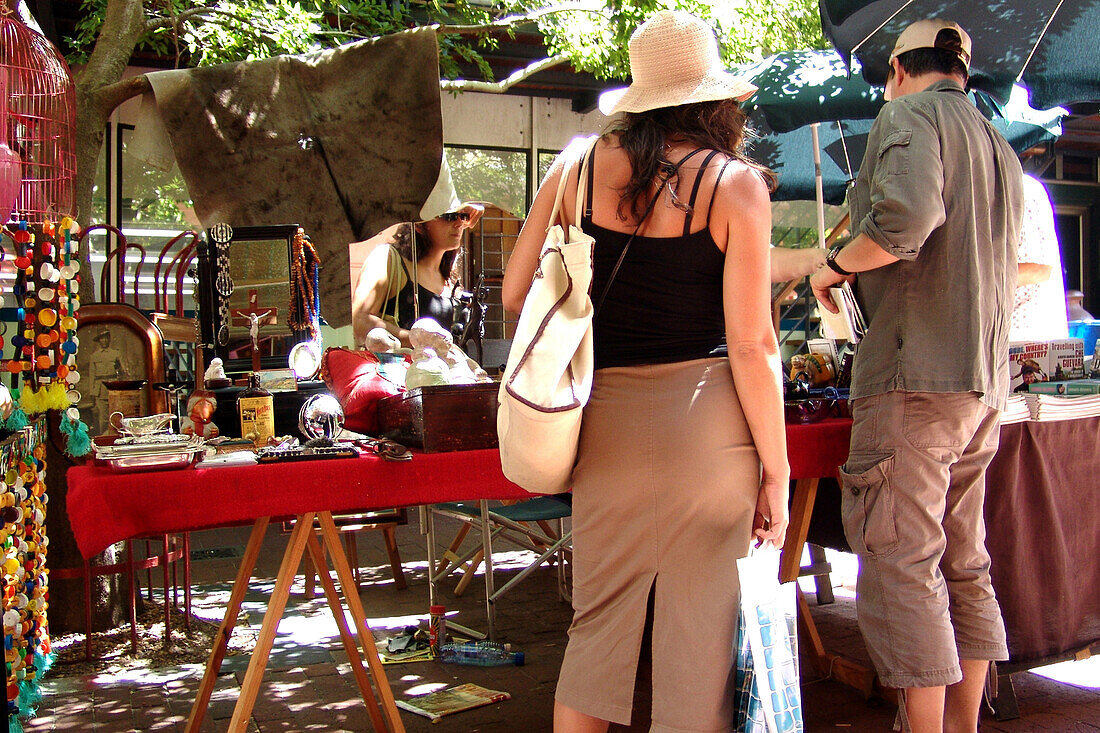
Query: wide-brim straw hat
x,y
673,61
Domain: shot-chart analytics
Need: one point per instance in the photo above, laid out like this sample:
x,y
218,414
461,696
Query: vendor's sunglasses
x,y
455,216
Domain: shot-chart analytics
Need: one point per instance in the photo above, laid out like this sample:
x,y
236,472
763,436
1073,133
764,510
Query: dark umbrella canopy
x,y
1049,45
790,154
796,88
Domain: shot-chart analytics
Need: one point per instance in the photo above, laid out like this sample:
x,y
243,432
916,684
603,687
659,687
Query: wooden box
x,y
442,418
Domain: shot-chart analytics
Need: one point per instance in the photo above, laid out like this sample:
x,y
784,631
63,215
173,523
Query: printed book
x,y
1045,361
452,700
1068,388
848,324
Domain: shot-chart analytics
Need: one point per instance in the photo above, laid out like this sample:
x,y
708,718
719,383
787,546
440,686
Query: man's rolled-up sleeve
x,y
907,188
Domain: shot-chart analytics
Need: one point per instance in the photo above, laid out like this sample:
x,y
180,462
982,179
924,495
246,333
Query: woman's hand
x,y
769,524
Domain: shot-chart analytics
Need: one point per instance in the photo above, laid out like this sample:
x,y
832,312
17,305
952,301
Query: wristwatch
x,y
830,260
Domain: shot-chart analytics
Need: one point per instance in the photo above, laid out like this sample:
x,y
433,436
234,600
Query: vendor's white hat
x,y
444,200
674,60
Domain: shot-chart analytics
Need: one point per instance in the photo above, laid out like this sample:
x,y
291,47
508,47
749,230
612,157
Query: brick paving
x,y
309,686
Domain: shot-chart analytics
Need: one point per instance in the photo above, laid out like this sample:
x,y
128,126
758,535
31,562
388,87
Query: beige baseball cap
x,y
922,34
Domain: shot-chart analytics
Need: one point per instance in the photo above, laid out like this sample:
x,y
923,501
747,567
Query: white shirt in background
x,y
1039,313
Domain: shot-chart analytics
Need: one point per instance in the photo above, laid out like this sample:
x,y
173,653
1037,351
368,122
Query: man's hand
x,y
821,281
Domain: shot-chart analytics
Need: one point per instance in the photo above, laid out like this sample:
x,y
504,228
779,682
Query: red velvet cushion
x,y
353,378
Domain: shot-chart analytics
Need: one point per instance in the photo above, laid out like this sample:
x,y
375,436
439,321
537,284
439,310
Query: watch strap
x,y
830,260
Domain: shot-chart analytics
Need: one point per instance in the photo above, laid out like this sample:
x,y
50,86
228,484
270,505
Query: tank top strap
x,y
695,191
717,180
669,170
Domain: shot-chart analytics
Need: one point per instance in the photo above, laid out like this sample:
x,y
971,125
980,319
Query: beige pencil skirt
x,y
664,492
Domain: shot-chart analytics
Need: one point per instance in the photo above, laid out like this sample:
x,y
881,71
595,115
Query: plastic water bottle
x,y
481,654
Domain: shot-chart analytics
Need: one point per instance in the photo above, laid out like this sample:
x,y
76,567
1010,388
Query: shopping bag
x,y
548,377
768,696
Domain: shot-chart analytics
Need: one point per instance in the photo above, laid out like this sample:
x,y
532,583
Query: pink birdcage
x,y
37,125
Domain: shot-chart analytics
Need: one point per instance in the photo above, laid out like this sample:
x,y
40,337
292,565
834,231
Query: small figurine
x,y
254,327
6,403
427,335
200,413
216,370
215,377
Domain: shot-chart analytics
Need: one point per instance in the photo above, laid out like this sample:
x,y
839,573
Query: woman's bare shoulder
x,y
743,181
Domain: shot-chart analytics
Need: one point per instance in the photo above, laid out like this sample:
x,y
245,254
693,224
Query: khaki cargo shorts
x,y
912,496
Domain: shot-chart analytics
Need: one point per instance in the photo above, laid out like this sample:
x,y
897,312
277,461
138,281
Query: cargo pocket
x,y
867,503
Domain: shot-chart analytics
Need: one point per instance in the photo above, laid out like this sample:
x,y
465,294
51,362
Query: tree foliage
x,y
593,35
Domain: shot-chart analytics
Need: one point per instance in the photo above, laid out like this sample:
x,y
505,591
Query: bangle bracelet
x,y
830,260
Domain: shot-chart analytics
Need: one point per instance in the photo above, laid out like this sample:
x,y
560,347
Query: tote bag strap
x,y
559,200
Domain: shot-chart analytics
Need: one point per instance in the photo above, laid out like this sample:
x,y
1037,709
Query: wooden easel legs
x,y
385,718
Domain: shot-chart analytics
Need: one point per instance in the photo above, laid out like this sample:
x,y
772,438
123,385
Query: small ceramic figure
x,y
254,327
216,370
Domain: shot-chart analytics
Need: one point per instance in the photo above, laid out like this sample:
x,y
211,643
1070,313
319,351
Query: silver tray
x,y
151,462
163,445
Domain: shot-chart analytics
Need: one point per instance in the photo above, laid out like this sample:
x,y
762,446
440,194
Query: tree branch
x,y
112,95
499,87
182,17
511,20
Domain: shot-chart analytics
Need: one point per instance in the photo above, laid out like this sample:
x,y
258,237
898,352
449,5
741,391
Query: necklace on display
x,y
222,234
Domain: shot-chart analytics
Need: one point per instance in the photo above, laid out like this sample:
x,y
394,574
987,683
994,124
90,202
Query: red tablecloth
x,y
816,450
106,507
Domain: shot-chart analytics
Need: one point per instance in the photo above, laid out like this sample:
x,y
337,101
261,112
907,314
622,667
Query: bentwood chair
x,y
536,524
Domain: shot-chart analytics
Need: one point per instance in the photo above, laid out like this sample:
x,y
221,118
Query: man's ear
x,y
899,72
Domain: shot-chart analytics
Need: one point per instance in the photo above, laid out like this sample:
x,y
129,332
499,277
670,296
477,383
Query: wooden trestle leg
x,y
232,611
385,718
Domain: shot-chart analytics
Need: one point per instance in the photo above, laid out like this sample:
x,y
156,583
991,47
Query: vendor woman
x,y
383,294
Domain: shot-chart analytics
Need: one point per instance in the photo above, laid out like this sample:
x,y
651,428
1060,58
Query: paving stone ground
x,y
309,685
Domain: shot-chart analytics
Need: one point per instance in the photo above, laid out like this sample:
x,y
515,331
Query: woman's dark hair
x,y
402,242
717,125
943,59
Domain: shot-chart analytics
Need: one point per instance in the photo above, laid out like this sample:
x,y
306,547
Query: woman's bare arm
x,y
744,210
372,292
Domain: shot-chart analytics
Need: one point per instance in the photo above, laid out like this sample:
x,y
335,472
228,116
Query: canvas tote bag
x,y
548,377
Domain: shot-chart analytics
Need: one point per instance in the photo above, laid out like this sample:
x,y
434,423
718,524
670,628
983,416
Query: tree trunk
x,y
98,93
109,597
99,90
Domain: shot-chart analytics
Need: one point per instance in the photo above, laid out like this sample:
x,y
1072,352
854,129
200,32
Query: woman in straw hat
x,y
383,295
682,456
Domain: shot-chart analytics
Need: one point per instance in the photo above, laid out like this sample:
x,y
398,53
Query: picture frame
x,y
117,343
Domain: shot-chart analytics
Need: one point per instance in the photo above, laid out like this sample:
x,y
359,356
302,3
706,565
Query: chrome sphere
x,y
321,417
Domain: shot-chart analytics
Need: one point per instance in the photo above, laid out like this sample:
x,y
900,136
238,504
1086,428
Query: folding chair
x,y
525,524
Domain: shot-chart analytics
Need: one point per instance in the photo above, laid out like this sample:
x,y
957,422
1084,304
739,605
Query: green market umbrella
x,y
796,92
843,143
1050,46
798,88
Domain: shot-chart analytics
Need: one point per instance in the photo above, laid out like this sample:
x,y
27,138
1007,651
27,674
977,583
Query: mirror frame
x,y
210,299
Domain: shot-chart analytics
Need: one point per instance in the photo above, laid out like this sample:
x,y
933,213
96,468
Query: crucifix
x,y
255,319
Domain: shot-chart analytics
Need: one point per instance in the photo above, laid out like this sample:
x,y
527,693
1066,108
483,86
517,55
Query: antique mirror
x,y
247,291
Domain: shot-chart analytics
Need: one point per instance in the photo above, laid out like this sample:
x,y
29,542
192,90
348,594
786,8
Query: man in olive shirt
x,y
936,209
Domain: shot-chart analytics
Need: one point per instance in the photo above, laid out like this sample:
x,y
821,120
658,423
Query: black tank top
x,y
431,305
665,303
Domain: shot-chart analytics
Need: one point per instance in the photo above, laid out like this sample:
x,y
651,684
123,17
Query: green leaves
x,y
593,34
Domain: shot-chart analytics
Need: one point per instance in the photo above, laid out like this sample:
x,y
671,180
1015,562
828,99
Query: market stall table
x,y
1041,477
106,507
